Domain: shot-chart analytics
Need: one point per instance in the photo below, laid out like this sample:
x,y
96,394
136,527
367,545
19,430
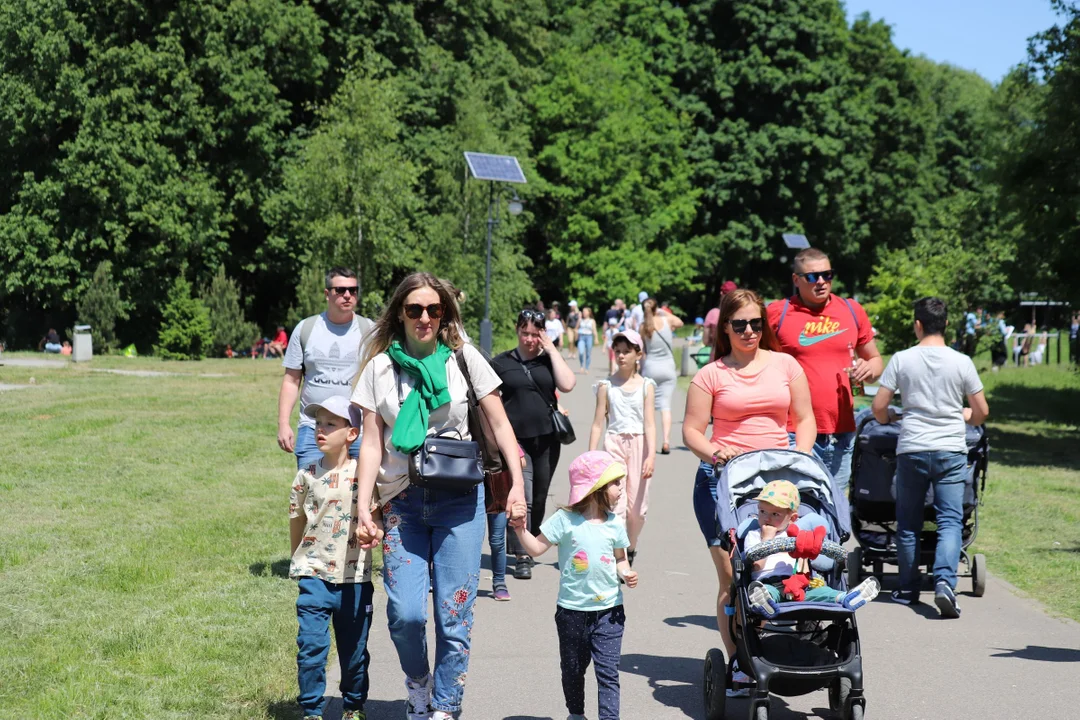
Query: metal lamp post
x,y
493,168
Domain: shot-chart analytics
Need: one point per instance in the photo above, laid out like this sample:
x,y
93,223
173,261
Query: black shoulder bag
x,y
444,461
560,423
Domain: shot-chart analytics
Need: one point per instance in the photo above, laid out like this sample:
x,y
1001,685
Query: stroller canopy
x,y
744,476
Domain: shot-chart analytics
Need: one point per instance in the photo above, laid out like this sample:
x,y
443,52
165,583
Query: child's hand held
x,y
630,576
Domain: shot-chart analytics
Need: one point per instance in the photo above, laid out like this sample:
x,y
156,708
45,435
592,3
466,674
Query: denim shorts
x,y
705,503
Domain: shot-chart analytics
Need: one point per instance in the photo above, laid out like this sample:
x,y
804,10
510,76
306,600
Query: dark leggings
x,y
542,454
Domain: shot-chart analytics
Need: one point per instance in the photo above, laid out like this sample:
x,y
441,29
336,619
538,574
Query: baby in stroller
x,y
785,647
779,577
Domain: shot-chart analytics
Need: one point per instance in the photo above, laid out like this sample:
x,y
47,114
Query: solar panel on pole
x,y
796,242
500,168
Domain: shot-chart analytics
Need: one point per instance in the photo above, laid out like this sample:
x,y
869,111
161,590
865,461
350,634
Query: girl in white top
x,y
554,328
627,401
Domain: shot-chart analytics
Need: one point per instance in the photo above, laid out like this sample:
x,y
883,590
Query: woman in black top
x,y
528,405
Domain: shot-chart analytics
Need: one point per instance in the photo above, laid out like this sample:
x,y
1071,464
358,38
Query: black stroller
x,y
804,646
873,502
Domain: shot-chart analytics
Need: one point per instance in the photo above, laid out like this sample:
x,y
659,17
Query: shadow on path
x,y
706,621
1042,653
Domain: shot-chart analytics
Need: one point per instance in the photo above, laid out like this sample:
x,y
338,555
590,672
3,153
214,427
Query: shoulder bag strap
x,y
853,317
783,314
536,387
397,381
479,427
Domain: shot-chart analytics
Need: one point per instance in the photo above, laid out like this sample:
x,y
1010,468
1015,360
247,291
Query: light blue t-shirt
x,y
588,579
970,322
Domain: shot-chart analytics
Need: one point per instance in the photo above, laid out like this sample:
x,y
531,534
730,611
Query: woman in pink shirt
x,y
747,394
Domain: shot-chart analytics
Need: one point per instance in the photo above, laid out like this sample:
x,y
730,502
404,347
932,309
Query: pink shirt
x,y
750,411
712,318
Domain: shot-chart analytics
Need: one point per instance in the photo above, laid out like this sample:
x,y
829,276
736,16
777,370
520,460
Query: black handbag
x,y
444,461
560,423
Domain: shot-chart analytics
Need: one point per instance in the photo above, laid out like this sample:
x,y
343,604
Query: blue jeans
x,y
433,536
597,636
835,451
915,472
496,524
53,348
308,453
705,503
349,606
584,350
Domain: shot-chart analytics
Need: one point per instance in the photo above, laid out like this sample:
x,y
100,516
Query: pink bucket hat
x,y
591,471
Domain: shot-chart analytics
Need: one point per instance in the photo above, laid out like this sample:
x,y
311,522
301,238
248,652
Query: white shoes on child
x,y
760,599
862,593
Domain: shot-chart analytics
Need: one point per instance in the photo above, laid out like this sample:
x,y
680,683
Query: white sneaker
x,y
862,593
418,705
738,677
760,599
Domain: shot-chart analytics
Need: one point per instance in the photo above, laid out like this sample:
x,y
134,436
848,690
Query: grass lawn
x,y
143,553
1030,522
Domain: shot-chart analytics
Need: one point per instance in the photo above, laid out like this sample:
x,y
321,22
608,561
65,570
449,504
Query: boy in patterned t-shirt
x,y
333,569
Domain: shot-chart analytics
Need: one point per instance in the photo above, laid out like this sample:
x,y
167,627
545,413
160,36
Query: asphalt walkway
x,y
1004,658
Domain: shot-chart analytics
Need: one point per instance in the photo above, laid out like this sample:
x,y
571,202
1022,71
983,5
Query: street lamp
x,y
495,169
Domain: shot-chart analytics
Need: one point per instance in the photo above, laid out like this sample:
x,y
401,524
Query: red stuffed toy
x,y
807,547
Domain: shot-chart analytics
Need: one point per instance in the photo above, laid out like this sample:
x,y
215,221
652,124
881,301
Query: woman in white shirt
x,y
554,328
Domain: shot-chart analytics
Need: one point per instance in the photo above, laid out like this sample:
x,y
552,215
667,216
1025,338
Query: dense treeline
x,y
246,143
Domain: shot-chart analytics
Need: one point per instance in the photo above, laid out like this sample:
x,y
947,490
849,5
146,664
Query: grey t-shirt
x,y
932,382
330,360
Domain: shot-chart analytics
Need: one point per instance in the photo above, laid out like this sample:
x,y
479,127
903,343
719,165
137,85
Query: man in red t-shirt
x,y
713,316
816,327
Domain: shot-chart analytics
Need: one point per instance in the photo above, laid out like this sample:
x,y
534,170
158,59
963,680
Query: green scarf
x,y
430,391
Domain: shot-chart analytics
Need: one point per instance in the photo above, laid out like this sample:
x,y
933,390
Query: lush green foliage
x,y
100,307
186,332
227,323
667,147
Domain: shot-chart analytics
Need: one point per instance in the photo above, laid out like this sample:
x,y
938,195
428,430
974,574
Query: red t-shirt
x,y
281,338
819,341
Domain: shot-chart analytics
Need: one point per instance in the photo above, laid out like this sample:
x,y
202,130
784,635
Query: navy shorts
x,y
705,503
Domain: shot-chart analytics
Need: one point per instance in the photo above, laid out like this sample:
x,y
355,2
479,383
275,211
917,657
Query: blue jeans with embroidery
x,y
348,605
444,532
835,450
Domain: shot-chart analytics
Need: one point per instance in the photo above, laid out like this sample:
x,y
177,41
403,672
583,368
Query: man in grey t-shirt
x,y
933,380
321,360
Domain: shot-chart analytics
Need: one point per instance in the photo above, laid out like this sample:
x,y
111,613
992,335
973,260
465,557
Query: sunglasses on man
x,y
813,277
414,311
739,326
342,290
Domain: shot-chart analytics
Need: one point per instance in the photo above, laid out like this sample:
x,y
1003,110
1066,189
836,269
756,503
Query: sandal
x,y
665,450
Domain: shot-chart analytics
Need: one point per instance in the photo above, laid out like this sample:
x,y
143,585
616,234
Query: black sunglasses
x,y
812,277
533,316
341,290
739,326
414,311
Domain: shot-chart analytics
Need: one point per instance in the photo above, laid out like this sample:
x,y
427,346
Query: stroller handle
x,y
787,544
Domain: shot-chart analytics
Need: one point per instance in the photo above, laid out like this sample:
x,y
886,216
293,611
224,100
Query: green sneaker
x,y
353,715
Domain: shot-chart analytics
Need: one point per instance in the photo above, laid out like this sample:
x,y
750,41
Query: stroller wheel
x,y
978,574
856,713
761,712
838,695
854,567
715,684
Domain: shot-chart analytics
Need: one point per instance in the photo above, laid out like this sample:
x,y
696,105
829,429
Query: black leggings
x,y
542,454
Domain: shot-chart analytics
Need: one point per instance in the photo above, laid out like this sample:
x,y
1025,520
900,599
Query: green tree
x,y
101,306
227,321
185,332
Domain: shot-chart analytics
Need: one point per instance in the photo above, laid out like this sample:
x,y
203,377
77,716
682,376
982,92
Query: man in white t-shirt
x,y
321,360
637,313
933,380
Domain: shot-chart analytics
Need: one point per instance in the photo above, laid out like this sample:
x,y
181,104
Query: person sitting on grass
x,y
331,559
778,507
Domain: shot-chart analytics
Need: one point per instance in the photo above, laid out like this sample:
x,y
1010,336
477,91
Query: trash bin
x,y
82,349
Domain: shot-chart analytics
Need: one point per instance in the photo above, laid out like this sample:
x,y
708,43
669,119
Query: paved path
x,y
1003,659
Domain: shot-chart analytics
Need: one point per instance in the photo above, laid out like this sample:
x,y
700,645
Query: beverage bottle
x,y
856,385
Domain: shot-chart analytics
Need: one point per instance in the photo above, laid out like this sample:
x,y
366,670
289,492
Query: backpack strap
x,y
854,317
306,327
783,314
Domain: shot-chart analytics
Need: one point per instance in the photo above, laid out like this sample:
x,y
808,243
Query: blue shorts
x,y
705,503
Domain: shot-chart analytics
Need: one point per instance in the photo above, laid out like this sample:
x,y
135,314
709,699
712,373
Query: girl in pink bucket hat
x,y
592,544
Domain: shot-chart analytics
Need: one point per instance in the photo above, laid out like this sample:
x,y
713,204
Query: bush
x,y
227,321
101,306
185,332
